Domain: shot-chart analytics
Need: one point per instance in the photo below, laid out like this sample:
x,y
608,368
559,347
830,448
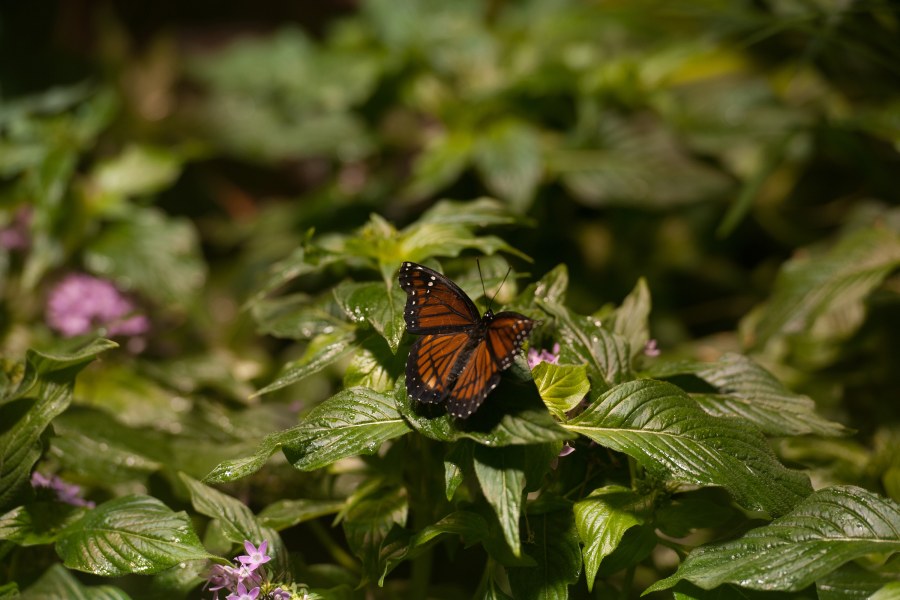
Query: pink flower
x,y
537,357
255,556
243,594
81,303
650,349
65,492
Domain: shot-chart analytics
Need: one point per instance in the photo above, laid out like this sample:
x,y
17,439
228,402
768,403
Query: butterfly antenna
x,y
491,301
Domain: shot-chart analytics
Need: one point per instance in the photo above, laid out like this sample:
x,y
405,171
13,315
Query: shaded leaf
x,y
508,155
368,517
554,547
501,474
44,392
131,534
287,513
630,319
829,528
57,582
481,212
238,468
152,253
667,433
37,522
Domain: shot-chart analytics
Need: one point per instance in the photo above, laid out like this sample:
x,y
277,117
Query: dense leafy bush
x,y
203,334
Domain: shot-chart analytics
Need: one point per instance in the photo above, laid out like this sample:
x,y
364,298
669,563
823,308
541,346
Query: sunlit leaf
x,y
828,529
666,432
602,518
372,303
325,349
353,421
630,319
562,387
131,534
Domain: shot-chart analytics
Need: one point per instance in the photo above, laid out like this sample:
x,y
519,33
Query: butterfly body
x,y
459,358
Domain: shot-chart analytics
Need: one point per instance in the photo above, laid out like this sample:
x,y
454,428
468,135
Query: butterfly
x,y
459,358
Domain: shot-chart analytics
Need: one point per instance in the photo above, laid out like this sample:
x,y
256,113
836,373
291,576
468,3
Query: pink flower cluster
x,y
80,304
244,579
65,492
536,357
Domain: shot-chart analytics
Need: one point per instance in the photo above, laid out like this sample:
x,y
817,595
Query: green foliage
x,y
695,201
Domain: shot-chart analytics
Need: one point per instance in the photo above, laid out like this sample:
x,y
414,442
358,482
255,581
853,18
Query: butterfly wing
x,y
434,304
504,337
429,368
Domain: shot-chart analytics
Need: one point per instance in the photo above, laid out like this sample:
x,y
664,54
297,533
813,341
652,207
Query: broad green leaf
x,y
37,523
152,253
238,468
131,534
324,349
853,581
401,545
481,212
57,582
508,156
666,432
235,519
744,389
828,529
630,319
372,303
44,392
138,170
584,340
702,508
287,513
819,299
550,289
457,460
553,543
421,241
562,387
297,316
511,415
368,517
440,163
354,421
501,474
602,519
374,366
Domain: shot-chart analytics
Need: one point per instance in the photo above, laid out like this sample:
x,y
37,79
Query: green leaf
x,y
890,591
602,519
370,514
324,349
508,155
57,583
150,252
562,387
297,316
440,163
375,304
510,416
287,513
138,170
374,366
238,468
401,545
354,421
853,581
744,389
44,392
828,529
235,519
481,212
820,299
457,460
37,523
131,534
583,340
555,548
666,432
630,319
501,473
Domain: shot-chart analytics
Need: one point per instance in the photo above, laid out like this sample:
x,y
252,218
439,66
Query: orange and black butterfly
x,y
460,355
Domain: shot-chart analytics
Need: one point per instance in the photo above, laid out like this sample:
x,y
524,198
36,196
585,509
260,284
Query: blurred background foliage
x,y
741,156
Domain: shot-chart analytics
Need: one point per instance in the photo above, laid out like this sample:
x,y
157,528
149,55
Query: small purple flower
x,y
280,594
650,349
566,450
255,556
242,594
65,492
221,577
80,303
536,357
15,235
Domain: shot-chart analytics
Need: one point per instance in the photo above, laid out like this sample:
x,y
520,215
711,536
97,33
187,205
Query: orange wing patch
x,y
429,369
